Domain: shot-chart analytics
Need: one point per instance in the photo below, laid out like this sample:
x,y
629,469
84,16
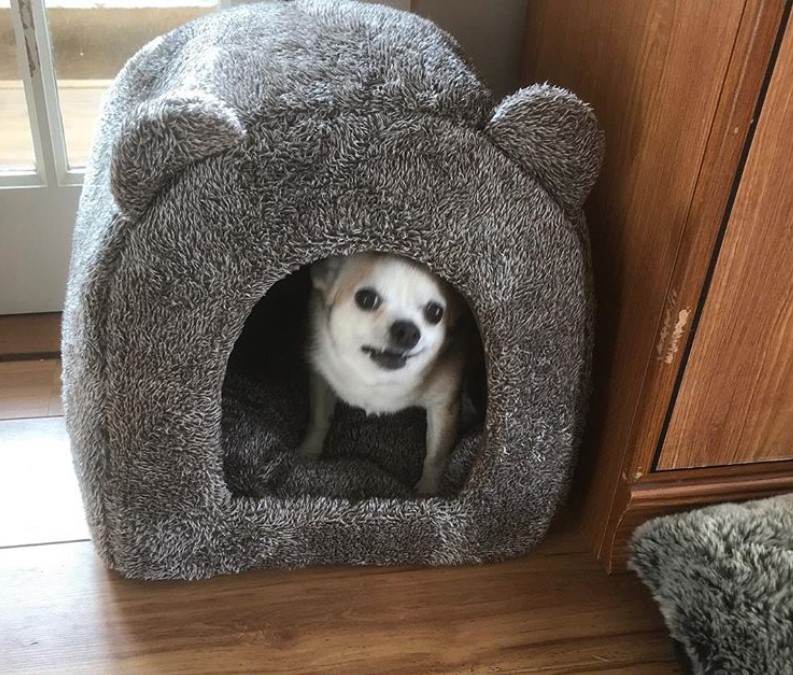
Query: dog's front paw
x,y
428,485
309,450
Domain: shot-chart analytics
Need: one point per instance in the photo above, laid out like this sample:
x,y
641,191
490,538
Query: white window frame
x,y
37,71
33,55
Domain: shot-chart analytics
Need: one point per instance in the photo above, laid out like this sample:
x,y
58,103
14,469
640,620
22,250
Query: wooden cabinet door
x,y
735,403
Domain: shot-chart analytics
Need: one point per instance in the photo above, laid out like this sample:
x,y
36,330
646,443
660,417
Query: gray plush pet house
x,y
231,153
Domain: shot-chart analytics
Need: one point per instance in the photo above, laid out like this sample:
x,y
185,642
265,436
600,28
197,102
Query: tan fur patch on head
x,y
357,269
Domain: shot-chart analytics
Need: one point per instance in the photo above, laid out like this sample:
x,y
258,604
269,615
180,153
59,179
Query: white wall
x,y
490,31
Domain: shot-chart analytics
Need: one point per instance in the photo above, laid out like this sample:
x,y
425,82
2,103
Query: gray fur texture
x,y
723,578
231,153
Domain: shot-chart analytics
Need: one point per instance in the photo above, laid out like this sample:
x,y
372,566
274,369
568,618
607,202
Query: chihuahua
x,y
385,335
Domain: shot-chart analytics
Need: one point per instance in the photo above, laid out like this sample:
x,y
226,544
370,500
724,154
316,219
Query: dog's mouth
x,y
387,358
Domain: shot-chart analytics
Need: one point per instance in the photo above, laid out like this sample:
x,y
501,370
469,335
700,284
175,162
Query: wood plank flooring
x,y
62,612
30,389
30,336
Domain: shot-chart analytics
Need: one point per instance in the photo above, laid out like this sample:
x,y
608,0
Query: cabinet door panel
x,y
735,403
674,107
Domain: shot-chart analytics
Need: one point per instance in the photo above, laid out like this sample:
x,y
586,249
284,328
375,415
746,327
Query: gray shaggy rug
x,y
723,578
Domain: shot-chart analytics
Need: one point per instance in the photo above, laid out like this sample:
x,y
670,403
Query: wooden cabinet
x,y
692,237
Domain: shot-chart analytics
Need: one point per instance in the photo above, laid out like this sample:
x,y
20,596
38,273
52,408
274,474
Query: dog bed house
x,y
230,154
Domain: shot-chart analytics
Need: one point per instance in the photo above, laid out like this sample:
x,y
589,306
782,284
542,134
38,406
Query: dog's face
x,y
382,313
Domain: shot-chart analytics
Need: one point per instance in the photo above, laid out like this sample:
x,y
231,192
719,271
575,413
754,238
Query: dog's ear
x,y
454,314
456,308
325,272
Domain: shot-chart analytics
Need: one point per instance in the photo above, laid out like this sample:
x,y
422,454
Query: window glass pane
x,y
16,144
91,41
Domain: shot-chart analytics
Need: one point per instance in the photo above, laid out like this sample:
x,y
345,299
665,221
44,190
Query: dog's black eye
x,y
367,299
433,312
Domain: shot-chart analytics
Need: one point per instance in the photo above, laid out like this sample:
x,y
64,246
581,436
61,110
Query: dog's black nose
x,y
405,334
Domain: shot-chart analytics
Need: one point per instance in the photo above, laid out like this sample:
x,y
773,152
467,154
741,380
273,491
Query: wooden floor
x,y
62,612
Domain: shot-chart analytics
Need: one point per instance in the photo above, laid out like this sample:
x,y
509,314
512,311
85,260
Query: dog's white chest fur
x,y
376,391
